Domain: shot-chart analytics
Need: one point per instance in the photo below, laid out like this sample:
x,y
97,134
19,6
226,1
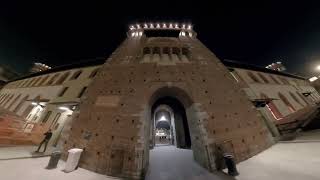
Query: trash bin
x,y
231,165
54,159
73,159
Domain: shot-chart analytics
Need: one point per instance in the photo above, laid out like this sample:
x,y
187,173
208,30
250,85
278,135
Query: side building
x,y
286,102
47,100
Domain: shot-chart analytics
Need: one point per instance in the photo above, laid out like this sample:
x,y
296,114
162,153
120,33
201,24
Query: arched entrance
x,y
170,124
177,148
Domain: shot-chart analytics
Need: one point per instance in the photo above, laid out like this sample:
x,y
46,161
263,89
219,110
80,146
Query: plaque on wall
x,y
107,101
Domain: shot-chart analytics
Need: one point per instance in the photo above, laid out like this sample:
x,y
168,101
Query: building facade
x,y
288,97
110,108
48,99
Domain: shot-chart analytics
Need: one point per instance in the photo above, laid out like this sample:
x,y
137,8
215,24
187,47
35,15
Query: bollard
x,y
73,159
231,165
54,159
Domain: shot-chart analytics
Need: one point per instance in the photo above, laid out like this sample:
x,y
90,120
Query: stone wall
x,y
114,122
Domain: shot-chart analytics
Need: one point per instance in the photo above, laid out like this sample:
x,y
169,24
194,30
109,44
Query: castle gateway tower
x,y
163,73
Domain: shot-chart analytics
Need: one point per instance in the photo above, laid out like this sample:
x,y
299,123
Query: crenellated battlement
x,y
180,29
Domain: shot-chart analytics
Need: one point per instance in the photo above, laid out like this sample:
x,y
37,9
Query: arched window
x,y
3,98
263,78
286,102
63,78
55,120
36,81
17,108
26,82
272,108
46,117
14,100
295,98
19,84
22,83
30,82
76,75
253,77
53,78
42,82
274,79
94,73
8,100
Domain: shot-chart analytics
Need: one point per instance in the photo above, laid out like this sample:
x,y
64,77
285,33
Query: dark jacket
x,y
48,135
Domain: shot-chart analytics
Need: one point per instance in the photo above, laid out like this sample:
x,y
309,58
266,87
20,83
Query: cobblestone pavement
x,y
18,152
34,169
283,161
171,163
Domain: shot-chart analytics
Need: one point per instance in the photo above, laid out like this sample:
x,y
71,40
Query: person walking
x,y
46,139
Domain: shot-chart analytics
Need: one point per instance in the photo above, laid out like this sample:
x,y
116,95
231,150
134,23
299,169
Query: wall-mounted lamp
x,y
64,108
261,102
306,94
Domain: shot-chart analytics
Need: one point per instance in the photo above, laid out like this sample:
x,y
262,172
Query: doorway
x,y
169,124
173,155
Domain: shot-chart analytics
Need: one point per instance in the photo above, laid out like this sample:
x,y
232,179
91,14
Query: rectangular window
x,y
55,120
46,117
76,75
83,90
63,91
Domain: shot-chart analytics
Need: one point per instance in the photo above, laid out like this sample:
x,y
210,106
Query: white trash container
x,y
73,159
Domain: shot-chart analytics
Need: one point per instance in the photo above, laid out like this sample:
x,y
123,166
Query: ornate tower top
x,y
183,29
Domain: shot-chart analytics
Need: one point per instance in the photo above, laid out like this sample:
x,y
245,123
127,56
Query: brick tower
x,y
116,120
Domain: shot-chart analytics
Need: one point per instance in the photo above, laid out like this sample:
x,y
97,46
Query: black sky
x,y
256,33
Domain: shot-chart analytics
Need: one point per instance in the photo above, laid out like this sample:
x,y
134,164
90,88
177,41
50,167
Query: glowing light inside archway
x,y
163,118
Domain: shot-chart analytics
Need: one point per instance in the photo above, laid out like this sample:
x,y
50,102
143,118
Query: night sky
x,y
63,33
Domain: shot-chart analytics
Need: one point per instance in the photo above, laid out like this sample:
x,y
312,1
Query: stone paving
x,y
34,169
18,152
313,135
171,163
283,161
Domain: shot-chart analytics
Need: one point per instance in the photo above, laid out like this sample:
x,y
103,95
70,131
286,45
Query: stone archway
x,y
113,126
162,110
191,127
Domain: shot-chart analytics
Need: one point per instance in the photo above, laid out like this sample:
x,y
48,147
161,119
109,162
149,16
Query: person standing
x,y
46,140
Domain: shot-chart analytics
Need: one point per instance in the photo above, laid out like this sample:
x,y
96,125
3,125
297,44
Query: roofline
x,y
99,61
88,63
237,64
